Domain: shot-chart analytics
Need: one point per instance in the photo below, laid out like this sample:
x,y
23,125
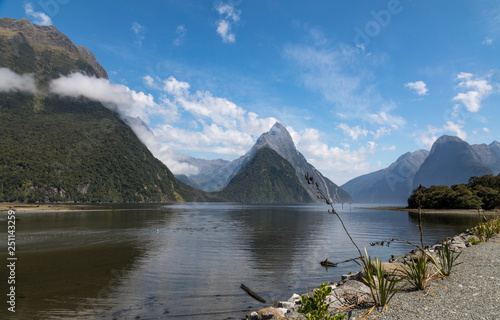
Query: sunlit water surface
x,y
187,261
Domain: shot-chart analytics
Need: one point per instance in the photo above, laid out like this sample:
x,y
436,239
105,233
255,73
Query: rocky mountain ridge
x,y
450,161
266,178
278,139
390,185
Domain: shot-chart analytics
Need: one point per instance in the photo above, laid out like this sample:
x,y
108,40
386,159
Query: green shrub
x,y
487,229
473,240
316,307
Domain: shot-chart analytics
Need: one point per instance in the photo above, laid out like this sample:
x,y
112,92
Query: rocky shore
x,y
472,291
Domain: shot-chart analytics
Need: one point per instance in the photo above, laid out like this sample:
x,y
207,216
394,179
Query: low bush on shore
x,y
487,229
479,193
316,307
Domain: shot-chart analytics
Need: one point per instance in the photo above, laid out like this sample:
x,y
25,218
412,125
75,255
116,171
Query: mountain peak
x,y
278,128
277,138
446,140
44,50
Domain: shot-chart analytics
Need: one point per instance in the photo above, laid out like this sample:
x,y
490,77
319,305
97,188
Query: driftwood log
x,y
252,294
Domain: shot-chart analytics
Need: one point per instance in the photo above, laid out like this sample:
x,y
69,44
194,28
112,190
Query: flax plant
x,y
382,289
446,259
487,229
417,271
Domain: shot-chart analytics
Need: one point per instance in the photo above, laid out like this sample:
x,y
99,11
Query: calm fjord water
x,y
187,261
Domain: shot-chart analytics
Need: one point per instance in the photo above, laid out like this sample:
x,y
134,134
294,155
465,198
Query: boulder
x,y
350,292
295,299
358,276
286,305
393,269
271,313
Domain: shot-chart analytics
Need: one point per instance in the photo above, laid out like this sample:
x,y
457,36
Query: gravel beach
x,y
472,291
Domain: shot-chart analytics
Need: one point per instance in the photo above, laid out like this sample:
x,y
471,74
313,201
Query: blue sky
x,y
357,83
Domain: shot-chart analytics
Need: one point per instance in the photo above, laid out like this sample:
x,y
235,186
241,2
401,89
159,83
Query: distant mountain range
x,y
450,161
216,175
74,149
390,185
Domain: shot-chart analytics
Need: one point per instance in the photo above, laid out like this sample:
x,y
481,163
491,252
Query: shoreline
x,y
492,213
54,207
475,281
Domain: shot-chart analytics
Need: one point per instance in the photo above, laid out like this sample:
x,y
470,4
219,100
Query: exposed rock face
x,y
451,161
90,58
390,185
43,50
212,175
489,155
279,139
267,178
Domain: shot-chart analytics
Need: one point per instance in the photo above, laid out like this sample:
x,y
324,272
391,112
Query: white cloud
x,y
325,71
139,33
389,148
11,81
211,125
225,127
339,164
419,87
181,35
381,132
431,135
229,16
344,77
353,132
175,87
150,81
115,96
456,129
39,18
486,129
383,118
488,41
479,89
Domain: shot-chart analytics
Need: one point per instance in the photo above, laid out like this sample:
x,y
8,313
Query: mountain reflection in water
x,y
188,260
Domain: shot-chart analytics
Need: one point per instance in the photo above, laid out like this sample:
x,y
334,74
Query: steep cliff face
x,y
44,51
489,155
266,178
69,149
390,185
450,161
279,139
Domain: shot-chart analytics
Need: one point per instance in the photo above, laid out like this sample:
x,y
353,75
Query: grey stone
x,y
358,276
295,299
271,313
285,304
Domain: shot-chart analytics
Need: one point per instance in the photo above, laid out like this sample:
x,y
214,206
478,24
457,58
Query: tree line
x,y
479,193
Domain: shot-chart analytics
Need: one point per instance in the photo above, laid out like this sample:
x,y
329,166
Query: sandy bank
x,y
24,207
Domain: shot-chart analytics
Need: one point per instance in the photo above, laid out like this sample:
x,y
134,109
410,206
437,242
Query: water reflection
x,y
188,260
